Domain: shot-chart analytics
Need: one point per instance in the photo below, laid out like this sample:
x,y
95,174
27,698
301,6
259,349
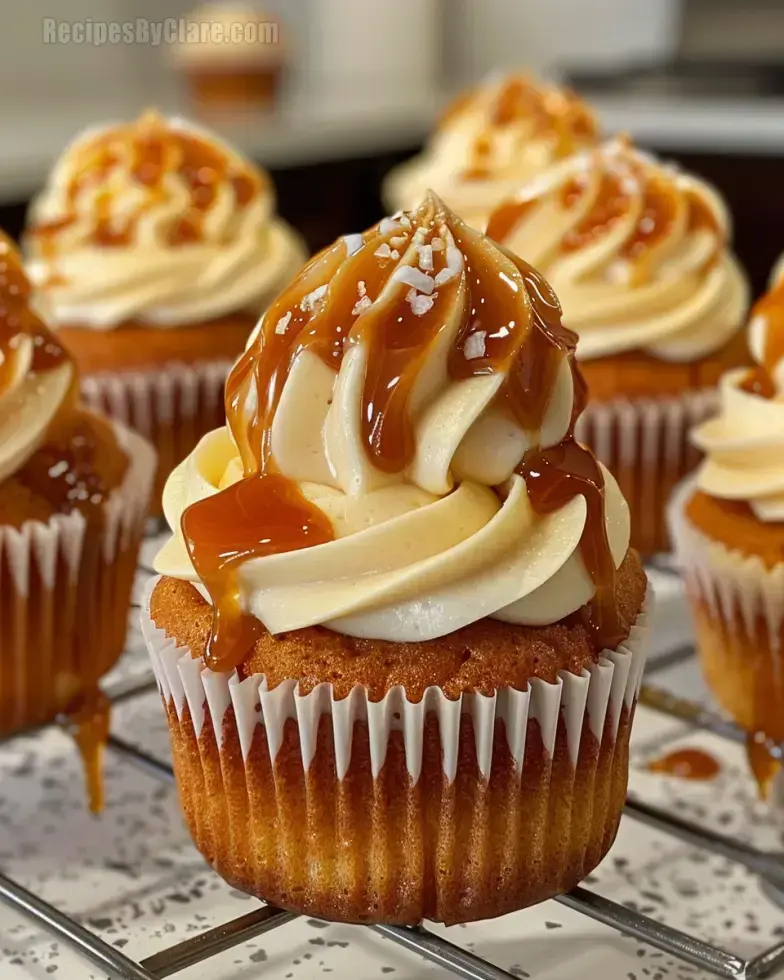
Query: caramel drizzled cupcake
x,y
489,141
399,630
728,526
639,256
74,492
153,250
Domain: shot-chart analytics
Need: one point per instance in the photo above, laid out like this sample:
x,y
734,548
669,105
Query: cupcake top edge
x,y
157,221
744,443
491,139
638,251
59,457
399,459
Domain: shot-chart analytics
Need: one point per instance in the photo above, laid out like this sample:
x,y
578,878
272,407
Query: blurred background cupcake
x,y
153,249
74,492
728,528
232,56
404,549
639,255
489,141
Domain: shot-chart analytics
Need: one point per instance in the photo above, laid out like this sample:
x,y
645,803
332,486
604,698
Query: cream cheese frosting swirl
x,y
157,222
399,458
37,378
636,250
491,140
744,443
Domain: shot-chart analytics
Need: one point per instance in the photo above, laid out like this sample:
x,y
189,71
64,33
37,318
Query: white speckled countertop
x,y
134,878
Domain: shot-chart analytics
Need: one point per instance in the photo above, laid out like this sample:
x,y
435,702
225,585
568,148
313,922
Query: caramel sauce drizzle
x,y
764,758
510,323
692,764
553,113
150,151
770,308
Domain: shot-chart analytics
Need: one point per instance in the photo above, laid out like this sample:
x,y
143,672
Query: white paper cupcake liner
x,y
645,445
44,569
596,695
732,585
173,406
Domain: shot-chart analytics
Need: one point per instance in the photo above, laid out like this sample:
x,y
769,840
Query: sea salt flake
x,y
383,251
361,305
425,257
353,243
388,225
414,277
405,221
309,302
362,288
394,254
475,345
398,242
283,324
437,244
421,304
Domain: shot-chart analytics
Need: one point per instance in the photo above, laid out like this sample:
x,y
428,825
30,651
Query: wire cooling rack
x,y
767,865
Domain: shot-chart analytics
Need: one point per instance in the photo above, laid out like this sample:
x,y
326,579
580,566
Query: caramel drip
x,y
150,151
554,477
771,309
87,720
510,324
758,382
610,205
659,213
764,759
691,764
505,219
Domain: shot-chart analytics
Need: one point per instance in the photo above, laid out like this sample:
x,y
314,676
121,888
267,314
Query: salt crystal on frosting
x,y
414,277
388,225
361,305
362,288
437,244
405,221
454,265
353,242
394,254
309,302
420,304
282,325
398,242
425,257
383,251
475,345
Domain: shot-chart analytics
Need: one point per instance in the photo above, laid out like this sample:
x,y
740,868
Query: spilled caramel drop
x,y
87,720
691,764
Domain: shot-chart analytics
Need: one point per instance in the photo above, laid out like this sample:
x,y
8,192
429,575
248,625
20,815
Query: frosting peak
x,y
155,220
400,459
37,378
492,139
744,444
636,250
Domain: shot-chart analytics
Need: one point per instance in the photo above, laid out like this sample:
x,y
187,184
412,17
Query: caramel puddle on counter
x,y
692,764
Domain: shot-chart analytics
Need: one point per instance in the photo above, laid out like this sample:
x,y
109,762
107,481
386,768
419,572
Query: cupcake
x,y
638,254
231,55
728,526
153,250
399,631
74,491
489,142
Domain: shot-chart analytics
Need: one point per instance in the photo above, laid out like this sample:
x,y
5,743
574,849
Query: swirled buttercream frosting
x,y
489,141
744,443
399,458
637,251
157,222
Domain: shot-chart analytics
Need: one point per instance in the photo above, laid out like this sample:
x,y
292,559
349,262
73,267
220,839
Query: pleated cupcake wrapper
x,y
601,691
42,576
644,443
729,583
142,399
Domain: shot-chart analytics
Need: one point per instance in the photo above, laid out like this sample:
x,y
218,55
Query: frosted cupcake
x,y
399,630
153,249
728,525
489,142
639,255
232,56
74,492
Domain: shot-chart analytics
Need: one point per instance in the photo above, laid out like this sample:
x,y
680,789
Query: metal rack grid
x,y
768,866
